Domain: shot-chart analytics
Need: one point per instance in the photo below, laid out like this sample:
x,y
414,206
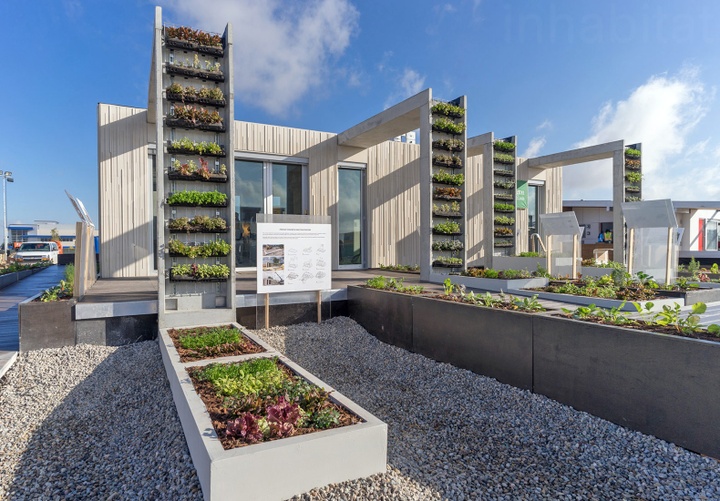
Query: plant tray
x,y
199,230
503,244
504,173
439,146
199,205
443,183
439,129
203,49
187,124
504,162
441,264
192,72
503,235
446,197
455,215
183,151
629,155
447,164
454,234
505,210
214,178
175,254
632,189
504,196
450,114
219,103
185,278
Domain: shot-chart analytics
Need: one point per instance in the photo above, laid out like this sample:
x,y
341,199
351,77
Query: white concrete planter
x,y
278,469
498,284
598,301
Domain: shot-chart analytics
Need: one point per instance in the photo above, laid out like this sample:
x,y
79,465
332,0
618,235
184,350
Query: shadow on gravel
x,y
116,435
459,435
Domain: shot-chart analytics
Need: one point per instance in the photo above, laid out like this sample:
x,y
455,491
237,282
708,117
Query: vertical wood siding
x,y
124,192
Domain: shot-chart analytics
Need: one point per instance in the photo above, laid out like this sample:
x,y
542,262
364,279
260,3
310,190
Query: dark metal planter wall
x,y
494,343
662,385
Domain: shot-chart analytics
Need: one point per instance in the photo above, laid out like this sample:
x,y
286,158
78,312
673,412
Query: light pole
x,y
7,178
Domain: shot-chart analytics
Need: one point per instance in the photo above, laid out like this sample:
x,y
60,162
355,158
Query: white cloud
x,y
283,50
546,125
408,83
536,144
660,114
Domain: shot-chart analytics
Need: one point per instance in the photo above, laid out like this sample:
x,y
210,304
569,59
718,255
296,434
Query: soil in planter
x,y
223,409
242,346
644,326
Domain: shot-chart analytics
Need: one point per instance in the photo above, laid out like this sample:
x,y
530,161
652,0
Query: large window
x,y
711,235
264,187
351,182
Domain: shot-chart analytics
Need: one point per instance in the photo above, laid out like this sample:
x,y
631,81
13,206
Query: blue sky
x,y
558,74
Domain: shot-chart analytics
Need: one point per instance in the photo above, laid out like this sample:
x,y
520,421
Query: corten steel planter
x,y
46,325
251,472
386,315
654,383
489,341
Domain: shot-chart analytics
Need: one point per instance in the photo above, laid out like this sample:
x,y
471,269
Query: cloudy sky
x,y
558,74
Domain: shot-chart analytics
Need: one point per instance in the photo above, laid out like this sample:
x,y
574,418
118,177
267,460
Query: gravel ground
x,y
99,423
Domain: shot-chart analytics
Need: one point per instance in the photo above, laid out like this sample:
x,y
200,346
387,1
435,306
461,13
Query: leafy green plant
x,y
201,148
192,35
447,245
448,160
200,271
198,223
671,316
633,177
504,158
392,284
449,144
326,418
448,109
448,286
400,267
503,231
64,290
446,178
448,126
633,153
527,303
504,146
213,337
633,164
447,193
448,260
453,207
448,227
693,267
198,198
506,185
501,207
257,377
529,254
633,199
504,220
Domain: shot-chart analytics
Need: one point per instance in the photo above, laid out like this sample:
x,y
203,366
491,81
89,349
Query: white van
x,y
37,252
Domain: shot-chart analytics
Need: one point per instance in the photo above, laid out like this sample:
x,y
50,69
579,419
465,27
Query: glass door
x,y
351,183
249,201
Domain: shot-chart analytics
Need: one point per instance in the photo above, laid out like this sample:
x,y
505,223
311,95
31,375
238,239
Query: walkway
x,y
12,295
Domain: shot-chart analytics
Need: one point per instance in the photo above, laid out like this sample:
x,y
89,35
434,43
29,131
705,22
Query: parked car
x,y
37,252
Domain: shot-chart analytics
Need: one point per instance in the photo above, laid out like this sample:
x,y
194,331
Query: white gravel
x,y
93,422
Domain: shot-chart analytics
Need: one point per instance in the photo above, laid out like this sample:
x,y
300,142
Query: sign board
x,y
293,257
521,195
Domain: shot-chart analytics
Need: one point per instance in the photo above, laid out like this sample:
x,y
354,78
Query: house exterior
x,y
698,219
380,193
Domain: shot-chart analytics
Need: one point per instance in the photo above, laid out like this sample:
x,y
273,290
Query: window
x,y
264,187
711,234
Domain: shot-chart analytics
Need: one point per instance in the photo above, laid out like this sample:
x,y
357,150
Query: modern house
x,y
385,198
698,220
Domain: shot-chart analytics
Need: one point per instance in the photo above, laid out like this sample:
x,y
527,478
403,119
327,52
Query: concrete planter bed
x,y
691,296
659,384
597,301
499,284
45,325
281,468
16,276
654,383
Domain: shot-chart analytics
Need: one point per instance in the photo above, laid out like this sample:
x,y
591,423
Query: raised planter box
x,y
499,284
251,472
11,278
492,342
654,383
45,325
599,301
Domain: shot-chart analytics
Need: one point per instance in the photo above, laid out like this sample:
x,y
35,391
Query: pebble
x,y
89,422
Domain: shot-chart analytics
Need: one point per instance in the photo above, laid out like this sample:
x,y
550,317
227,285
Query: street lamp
x,y
7,178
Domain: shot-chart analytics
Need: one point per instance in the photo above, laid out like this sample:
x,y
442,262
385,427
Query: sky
x,y
558,74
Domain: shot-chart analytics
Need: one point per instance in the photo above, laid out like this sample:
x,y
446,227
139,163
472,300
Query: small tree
x,y
54,235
